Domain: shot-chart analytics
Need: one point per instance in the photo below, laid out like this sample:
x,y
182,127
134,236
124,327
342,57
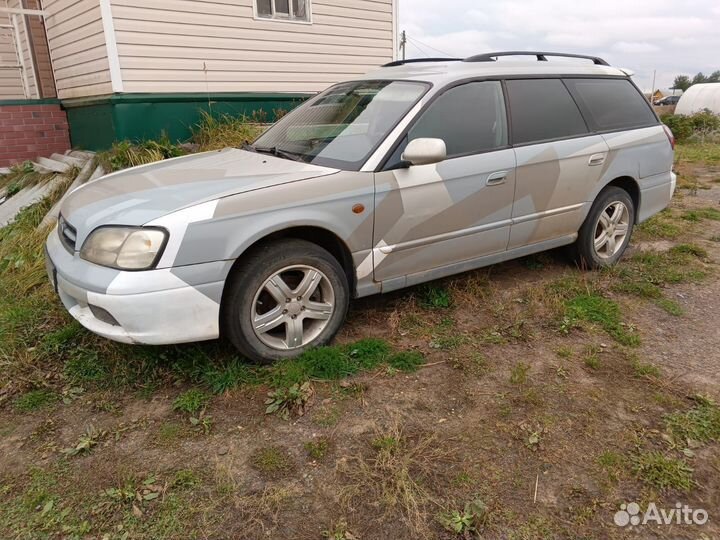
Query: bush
x,y
698,125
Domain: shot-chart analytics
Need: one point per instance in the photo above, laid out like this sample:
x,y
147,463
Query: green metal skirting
x,y
95,123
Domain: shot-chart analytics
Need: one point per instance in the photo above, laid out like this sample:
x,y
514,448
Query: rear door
x,y
559,161
430,218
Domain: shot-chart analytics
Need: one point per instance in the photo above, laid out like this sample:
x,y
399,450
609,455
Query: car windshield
x,y
342,126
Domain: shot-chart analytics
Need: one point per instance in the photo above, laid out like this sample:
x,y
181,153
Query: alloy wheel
x,y
292,307
611,230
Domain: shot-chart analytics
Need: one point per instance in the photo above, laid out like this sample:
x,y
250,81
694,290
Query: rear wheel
x,y
605,235
288,296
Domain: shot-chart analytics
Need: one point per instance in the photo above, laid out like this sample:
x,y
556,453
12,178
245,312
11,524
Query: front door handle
x,y
496,178
596,159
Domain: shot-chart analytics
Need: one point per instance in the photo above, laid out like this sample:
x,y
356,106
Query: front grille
x,y
68,234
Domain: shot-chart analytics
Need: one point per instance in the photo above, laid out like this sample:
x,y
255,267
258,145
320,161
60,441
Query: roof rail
x,y
541,56
418,60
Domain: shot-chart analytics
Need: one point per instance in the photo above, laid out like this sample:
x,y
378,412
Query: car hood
x,y
139,195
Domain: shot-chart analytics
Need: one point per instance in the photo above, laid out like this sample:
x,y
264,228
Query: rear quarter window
x,y
541,110
611,104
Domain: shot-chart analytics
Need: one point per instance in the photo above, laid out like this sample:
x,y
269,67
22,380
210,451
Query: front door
x,y
433,217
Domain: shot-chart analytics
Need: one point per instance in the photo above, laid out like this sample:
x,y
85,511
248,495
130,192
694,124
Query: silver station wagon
x,y
416,171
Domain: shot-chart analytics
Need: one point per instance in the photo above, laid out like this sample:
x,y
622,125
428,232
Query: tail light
x,y
670,136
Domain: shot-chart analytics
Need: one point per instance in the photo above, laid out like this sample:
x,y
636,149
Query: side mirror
x,y
425,151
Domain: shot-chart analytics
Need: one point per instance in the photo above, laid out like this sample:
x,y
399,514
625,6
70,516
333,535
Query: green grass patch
x,y
670,306
318,449
699,214
701,423
602,311
271,461
661,226
643,369
35,399
407,361
235,373
191,402
85,366
434,297
330,363
662,472
698,152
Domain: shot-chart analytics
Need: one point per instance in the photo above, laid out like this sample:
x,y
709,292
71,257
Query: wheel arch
x,y
317,235
631,186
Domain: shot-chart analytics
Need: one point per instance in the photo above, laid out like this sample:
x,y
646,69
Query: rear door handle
x,y
496,178
596,159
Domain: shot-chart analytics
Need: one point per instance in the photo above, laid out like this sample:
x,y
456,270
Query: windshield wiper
x,y
275,151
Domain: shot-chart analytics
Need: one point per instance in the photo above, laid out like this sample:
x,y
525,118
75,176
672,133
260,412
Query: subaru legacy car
x,y
416,171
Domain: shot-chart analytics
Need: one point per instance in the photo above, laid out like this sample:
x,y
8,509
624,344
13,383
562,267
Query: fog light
x,y
103,315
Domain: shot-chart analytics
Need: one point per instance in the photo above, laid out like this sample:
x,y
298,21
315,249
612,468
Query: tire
x,y
602,214
259,321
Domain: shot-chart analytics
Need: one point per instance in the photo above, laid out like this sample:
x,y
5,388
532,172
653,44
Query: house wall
x,y
43,68
76,40
11,85
32,128
198,46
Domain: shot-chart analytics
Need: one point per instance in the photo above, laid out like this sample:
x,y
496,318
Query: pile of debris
x,y
82,166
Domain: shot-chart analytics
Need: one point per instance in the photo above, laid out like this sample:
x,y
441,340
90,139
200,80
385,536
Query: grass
x,y
434,297
596,309
395,477
663,472
218,132
407,361
643,369
318,449
591,357
661,226
699,424
698,152
35,399
519,373
191,401
670,306
700,214
272,461
125,154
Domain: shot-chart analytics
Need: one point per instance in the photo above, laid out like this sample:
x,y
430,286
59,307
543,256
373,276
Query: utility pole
x,y
403,41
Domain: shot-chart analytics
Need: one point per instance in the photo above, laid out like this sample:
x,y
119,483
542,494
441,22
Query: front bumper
x,y
154,307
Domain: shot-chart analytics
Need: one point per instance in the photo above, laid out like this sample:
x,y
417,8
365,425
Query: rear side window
x,y
469,118
542,109
612,104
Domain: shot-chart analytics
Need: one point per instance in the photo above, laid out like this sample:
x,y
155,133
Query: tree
x,y
699,78
714,76
682,82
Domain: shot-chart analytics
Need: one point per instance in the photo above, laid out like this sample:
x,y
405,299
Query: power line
x,y
422,51
428,46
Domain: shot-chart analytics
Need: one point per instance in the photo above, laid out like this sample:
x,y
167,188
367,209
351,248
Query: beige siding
x,y
11,82
217,46
77,47
43,66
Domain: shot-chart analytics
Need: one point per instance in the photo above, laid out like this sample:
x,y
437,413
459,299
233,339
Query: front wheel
x,y
605,235
286,297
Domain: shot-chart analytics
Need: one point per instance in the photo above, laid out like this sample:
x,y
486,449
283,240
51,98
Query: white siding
x,y
77,47
217,46
11,82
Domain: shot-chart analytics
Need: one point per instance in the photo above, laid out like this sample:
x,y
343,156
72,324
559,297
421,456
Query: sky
x,y
671,38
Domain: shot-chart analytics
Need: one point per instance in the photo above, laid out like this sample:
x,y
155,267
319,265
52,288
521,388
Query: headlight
x,y
125,248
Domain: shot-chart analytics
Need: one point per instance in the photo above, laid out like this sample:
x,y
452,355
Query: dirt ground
x,y
527,424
